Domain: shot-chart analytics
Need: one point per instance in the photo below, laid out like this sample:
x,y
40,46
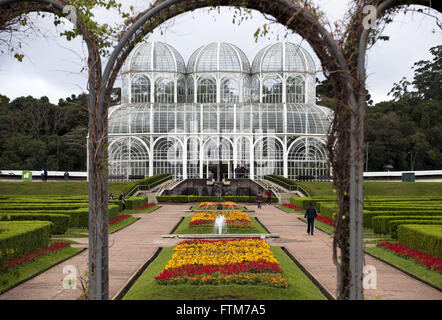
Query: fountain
x,y
220,225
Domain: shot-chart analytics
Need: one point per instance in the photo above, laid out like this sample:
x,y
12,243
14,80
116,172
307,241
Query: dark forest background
x,y
405,132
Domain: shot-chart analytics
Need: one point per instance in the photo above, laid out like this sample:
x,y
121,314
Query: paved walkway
x,y
315,254
131,247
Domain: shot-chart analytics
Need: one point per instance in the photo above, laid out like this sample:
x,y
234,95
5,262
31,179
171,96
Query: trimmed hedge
x,y
394,224
79,218
153,180
425,238
33,207
60,221
131,202
381,224
368,215
326,209
186,199
21,237
403,208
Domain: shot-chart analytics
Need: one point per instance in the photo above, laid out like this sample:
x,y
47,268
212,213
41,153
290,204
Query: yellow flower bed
x,y
228,214
220,252
211,204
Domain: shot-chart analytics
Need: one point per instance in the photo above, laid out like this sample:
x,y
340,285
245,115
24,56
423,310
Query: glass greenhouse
x,y
187,119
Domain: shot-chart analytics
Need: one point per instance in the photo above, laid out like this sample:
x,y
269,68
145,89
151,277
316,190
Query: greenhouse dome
x,y
185,121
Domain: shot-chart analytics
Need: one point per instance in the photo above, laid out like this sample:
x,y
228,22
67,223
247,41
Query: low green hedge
x,y
79,218
60,221
368,215
303,202
402,208
326,209
131,202
153,180
381,224
39,207
425,238
186,199
21,237
394,224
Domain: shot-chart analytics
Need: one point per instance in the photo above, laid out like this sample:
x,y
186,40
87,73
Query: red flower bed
x,y
187,270
420,257
291,206
325,220
36,254
120,218
147,206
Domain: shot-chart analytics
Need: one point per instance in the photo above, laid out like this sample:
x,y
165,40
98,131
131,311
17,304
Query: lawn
x,y
147,288
71,188
30,269
148,210
409,265
198,208
184,228
373,188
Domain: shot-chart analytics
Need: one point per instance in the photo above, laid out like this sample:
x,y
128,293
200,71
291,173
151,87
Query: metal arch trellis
x,y
347,72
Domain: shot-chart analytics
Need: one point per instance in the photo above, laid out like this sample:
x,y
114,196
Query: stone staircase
x,y
282,193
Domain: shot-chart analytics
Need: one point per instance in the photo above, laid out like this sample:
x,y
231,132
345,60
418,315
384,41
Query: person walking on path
x,y
269,196
259,199
310,214
45,175
122,198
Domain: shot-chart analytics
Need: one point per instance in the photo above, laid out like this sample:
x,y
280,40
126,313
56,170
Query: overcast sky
x,y
52,66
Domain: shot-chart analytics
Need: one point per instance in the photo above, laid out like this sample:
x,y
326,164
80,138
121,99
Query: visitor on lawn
x,y
123,199
66,176
310,214
259,199
111,196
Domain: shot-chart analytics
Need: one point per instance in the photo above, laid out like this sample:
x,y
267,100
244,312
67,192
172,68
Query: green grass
x,y
28,270
408,265
184,228
71,188
373,188
73,233
147,288
122,224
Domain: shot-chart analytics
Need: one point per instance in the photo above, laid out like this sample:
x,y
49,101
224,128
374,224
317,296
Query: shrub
x,y
381,224
425,238
303,202
368,215
21,237
186,199
394,224
60,221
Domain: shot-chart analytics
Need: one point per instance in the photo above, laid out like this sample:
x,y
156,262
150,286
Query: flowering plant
x,y
325,220
241,261
36,254
234,218
147,206
119,218
291,206
420,257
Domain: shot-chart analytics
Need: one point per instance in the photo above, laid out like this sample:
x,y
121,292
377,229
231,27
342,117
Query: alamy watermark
x,y
369,21
70,14
70,281
370,277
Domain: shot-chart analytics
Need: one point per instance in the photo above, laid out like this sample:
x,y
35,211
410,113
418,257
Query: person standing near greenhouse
x,y
122,198
311,215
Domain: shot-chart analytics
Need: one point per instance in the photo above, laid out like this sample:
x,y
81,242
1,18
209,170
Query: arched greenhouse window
x,y
272,90
164,91
295,90
181,90
255,89
190,89
229,91
206,90
140,89
246,88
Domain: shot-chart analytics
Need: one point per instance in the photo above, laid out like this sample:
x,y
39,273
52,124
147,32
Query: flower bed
x,y
147,206
225,204
240,261
234,219
36,254
291,206
119,218
325,220
420,257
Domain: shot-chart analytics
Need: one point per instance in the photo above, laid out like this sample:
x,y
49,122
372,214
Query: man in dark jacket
x,y
310,214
